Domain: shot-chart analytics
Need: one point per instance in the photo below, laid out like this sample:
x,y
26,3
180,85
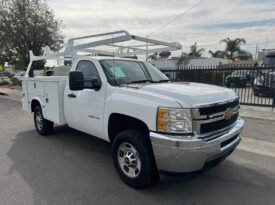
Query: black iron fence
x,y
253,85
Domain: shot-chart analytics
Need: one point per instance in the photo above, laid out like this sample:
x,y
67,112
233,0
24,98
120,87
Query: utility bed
x,y
49,91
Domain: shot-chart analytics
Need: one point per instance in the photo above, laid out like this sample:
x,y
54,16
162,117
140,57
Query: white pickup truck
x,y
154,125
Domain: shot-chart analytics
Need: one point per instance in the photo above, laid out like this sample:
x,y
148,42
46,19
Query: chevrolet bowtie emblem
x,y
228,114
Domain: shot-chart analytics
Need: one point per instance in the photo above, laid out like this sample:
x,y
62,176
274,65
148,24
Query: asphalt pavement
x,y
73,168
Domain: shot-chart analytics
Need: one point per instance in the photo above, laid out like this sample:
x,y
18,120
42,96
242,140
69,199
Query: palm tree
x,y
244,55
233,48
195,52
217,54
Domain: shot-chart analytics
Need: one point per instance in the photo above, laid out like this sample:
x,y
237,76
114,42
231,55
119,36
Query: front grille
x,y
217,125
210,120
218,108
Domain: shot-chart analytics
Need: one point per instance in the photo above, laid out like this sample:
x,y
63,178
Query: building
x,y
261,54
245,62
193,63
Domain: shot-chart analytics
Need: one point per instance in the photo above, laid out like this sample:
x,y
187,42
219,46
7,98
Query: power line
x,y
177,17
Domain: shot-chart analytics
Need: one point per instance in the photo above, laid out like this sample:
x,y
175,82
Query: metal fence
x,y
253,85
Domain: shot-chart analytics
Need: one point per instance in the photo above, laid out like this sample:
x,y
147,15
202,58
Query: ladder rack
x,y
107,44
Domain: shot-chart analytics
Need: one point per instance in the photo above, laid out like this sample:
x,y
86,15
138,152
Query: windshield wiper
x,y
140,81
148,81
162,81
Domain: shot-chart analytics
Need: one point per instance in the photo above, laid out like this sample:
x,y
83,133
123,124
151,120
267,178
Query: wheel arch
x,y
35,102
120,122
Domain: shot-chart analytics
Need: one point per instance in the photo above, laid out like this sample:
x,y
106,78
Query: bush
x,y
15,81
4,83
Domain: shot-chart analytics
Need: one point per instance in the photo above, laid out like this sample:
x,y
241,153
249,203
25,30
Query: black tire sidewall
x,y
143,147
47,126
38,110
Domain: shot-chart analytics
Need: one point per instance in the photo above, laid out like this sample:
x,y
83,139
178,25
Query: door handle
x,y
71,95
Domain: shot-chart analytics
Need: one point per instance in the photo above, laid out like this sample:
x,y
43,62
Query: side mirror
x,y
76,80
96,84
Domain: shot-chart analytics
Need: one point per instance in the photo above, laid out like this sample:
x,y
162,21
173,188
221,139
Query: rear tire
x,y
133,159
43,127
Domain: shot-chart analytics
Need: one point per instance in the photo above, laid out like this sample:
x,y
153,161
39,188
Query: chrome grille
x,y
218,108
211,119
217,125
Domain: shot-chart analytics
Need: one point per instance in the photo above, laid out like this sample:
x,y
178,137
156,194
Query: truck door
x,y
84,109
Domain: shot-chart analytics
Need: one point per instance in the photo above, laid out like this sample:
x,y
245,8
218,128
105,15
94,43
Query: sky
x,y
206,24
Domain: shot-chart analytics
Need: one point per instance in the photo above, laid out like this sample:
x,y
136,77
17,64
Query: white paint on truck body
x,y
90,110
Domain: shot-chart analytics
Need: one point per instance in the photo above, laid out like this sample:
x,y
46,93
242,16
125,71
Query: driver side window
x,y
89,72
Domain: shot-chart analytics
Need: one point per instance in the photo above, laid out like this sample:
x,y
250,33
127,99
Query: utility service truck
x,y
155,126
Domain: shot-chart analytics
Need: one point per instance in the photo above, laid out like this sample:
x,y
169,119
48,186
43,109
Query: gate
x,y
253,85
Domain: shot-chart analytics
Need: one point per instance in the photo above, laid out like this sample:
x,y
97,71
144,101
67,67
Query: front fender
x,y
140,105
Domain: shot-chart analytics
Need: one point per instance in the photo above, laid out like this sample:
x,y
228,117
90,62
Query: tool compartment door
x,y
35,87
52,104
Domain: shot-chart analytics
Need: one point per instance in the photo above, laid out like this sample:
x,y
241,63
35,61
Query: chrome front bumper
x,y
173,154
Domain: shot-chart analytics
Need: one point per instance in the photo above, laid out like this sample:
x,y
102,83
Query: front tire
x,y
133,159
43,127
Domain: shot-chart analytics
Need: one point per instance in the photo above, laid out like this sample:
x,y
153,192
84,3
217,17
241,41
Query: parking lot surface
x,y
73,168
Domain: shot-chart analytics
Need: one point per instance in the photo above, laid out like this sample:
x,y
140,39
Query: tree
x,y
244,55
27,25
195,52
233,48
152,57
183,60
217,54
4,54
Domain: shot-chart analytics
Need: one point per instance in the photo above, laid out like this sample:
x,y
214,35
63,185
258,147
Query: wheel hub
x,y
39,120
129,160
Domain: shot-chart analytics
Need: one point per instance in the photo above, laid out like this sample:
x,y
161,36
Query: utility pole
x,y
256,53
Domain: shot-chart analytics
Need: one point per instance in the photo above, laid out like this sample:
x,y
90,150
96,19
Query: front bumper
x,y
180,155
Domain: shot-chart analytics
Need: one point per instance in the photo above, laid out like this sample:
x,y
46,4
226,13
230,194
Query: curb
x,y
257,118
258,114
257,146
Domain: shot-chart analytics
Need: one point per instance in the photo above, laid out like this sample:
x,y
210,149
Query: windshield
x,y
120,72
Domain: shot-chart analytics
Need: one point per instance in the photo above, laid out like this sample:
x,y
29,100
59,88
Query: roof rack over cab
x,y
106,44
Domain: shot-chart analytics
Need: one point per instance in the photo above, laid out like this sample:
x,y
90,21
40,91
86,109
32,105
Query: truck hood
x,y
188,94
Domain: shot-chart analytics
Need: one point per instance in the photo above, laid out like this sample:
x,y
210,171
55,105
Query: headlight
x,y
172,120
